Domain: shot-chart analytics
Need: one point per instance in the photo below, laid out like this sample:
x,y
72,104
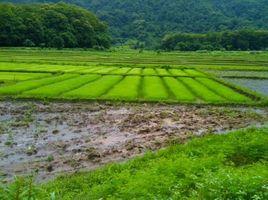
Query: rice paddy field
x,y
131,76
68,118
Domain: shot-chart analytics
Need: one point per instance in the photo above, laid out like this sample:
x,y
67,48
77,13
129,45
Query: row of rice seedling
x,y
127,89
31,84
57,88
94,89
121,70
193,72
180,91
75,69
135,71
20,76
201,91
89,69
149,72
162,72
105,70
154,89
223,90
177,72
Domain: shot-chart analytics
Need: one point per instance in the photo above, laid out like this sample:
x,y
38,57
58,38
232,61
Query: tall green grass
x,y
94,89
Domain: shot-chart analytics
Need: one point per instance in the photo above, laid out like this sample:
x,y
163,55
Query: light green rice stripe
x,y
55,89
31,84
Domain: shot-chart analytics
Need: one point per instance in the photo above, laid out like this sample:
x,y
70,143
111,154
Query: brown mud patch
x,y
51,138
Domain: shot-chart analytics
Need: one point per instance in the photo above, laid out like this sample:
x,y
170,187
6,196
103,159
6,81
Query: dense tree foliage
x,y
227,40
147,20
51,25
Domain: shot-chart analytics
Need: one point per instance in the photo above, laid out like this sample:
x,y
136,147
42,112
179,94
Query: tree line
x,y
228,40
51,25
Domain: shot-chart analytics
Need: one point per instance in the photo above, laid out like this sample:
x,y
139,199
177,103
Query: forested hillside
x,y
51,25
228,40
147,20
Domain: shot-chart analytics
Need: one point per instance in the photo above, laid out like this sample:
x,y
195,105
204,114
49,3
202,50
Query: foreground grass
x,y
229,166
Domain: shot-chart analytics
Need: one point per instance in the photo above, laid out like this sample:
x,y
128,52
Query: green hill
x,y
146,20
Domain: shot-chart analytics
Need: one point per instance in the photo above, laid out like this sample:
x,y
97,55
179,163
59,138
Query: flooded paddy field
x,y
257,85
48,139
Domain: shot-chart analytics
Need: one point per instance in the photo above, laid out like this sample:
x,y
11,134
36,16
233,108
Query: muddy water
x,y
49,139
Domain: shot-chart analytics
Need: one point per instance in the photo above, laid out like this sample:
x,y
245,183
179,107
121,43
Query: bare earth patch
x,y
48,139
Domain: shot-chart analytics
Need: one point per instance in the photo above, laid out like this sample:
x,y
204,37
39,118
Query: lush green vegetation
x,y
98,78
227,166
131,58
127,89
16,76
153,88
51,25
94,89
228,40
222,90
202,91
22,86
57,88
180,91
146,21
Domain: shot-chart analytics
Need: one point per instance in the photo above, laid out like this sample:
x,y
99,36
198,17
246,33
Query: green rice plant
x,y
89,70
121,70
201,91
105,70
223,90
148,72
193,72
94,89
162,72
177,72
180,91
127,89
55,89
135,71
74,68
154,89
20,76
31,84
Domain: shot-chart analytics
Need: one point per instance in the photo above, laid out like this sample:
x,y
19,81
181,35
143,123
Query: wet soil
x,y
48,139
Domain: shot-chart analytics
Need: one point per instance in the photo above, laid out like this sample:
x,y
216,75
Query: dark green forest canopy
x,y
148,20
51,25
227,40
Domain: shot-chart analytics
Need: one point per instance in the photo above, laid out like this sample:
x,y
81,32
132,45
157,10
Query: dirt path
x,y
48,139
